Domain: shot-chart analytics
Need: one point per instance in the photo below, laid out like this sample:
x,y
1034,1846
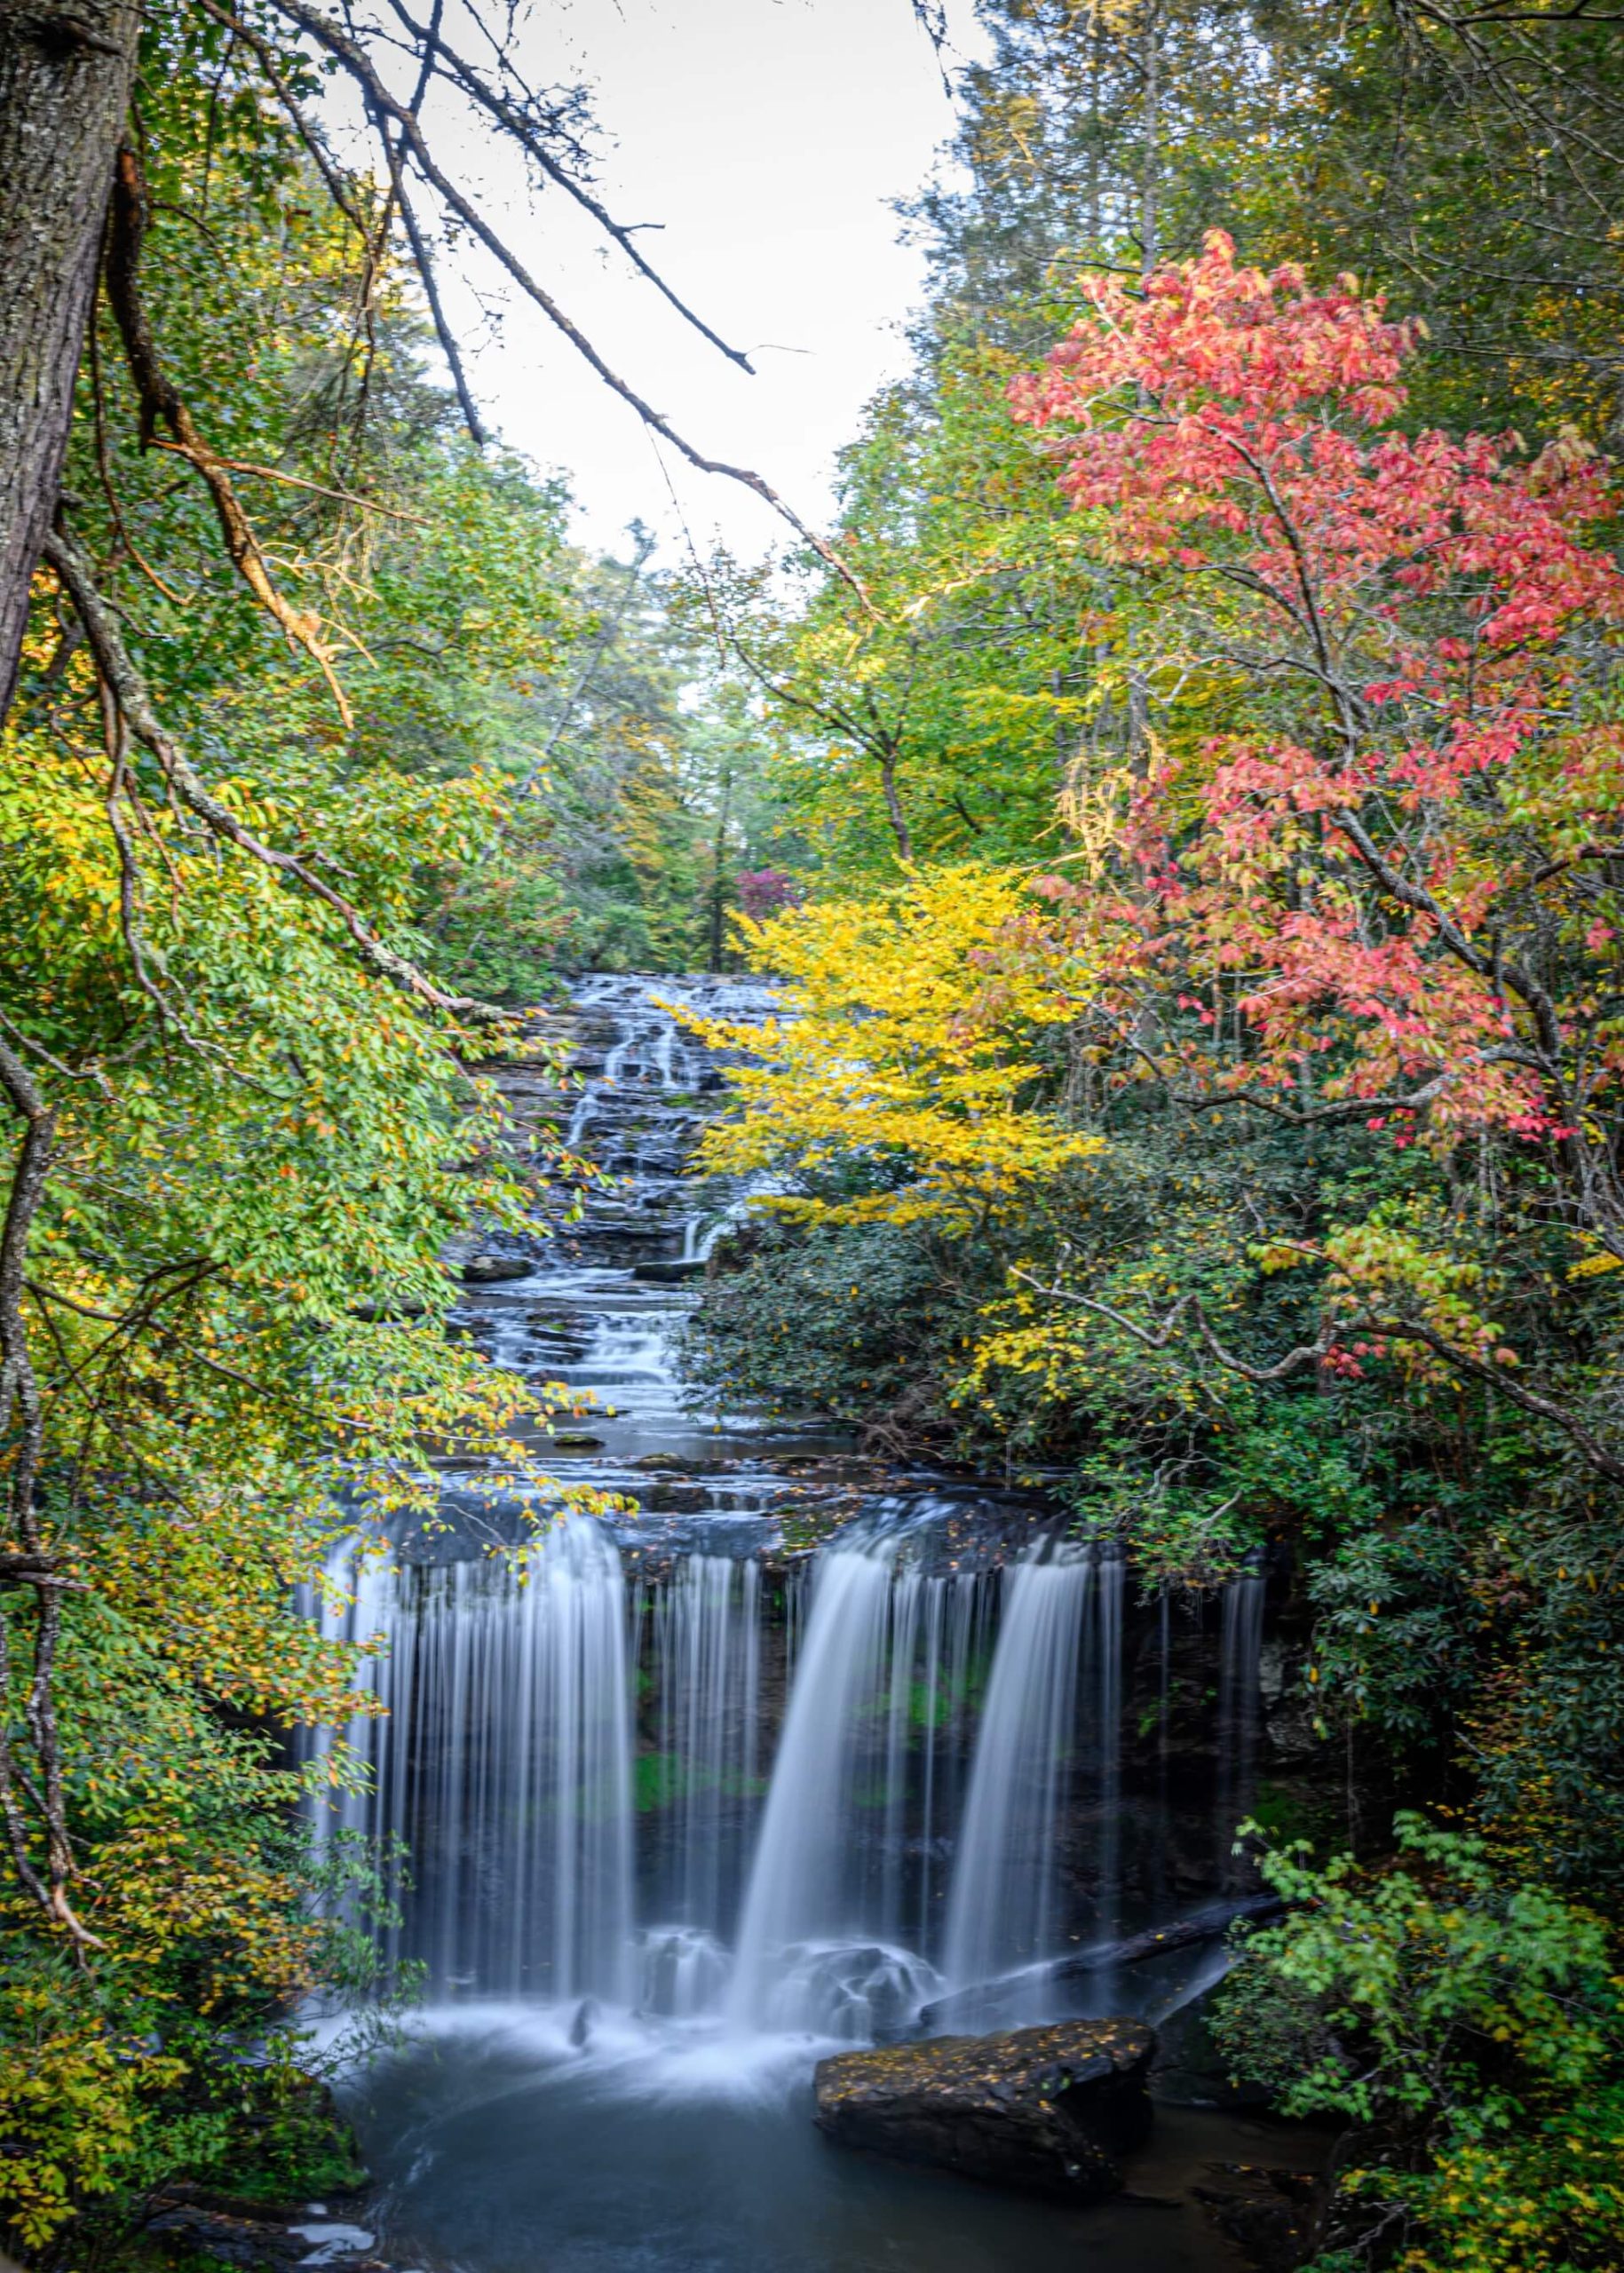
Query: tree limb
x,y
1188,1307
129,691
384,106
160,402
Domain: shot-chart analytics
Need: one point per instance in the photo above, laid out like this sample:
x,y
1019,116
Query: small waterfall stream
x,y
705,1654
697,1795
1000,1913
805,1906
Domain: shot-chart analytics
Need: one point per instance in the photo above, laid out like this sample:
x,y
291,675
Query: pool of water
x,y
501,2147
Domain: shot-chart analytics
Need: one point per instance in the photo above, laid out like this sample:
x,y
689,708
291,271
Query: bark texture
x,y
65,72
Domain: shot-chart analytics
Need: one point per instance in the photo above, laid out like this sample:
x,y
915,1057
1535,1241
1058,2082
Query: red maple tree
x,y
1401,849
1369,845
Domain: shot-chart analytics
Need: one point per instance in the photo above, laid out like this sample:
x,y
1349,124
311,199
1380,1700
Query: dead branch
x,y
387,110
21,1414
511,117
443,332
161,403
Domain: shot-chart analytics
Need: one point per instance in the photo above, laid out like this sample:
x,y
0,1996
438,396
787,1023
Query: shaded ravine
x,y
689,1807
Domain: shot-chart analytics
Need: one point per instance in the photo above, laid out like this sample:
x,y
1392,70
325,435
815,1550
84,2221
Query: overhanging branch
x,y
1188,1310
129,691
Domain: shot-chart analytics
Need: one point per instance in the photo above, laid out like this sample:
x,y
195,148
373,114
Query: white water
x,y
1000,1913
707,1659
640,1783
524,1742
802,1903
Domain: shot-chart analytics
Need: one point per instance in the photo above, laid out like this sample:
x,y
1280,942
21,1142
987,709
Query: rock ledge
x,y
1050,2110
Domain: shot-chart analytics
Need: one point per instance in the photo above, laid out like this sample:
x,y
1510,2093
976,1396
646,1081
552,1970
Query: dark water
x,y
500,2148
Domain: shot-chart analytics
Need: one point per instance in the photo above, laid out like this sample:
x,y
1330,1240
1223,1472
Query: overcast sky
x,y
768,138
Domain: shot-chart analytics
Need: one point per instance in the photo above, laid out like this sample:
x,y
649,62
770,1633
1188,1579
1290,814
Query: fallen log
x,y
1207,1925
979,2006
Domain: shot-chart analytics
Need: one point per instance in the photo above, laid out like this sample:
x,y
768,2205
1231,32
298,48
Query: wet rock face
x,y
1049,2110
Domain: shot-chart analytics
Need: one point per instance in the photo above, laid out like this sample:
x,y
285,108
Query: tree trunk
x,y
65,72
894,813
719,886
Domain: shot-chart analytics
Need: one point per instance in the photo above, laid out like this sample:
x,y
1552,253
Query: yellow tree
x,y
900,1049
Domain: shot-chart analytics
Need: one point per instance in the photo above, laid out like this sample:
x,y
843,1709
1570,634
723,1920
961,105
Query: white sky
x,y
767,137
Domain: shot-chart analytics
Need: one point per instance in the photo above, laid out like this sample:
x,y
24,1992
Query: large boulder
x,y
1052,2110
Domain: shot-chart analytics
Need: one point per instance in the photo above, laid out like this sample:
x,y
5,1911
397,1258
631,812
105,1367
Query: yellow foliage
x,y
897,1045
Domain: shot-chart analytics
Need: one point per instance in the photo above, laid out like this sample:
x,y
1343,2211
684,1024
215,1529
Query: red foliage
x,y
1406,635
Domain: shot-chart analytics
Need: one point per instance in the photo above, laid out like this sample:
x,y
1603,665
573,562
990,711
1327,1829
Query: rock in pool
x,y
1052,2110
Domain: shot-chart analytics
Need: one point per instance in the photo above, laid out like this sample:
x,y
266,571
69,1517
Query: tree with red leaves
x,y
1386,884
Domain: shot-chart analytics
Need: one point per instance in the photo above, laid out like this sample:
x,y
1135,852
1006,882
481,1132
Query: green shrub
x,y
1471,2032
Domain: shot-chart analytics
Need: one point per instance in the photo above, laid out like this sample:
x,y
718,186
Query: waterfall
x,y
1240,1649
357,1605
578,1761
798,1890
504,1764
706,1647
1106,1642
534,1812
1002,1907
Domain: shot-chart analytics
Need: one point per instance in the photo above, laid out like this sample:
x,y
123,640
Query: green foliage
x,y
661,1779
1473,2028
513,758
807,1323
259,1147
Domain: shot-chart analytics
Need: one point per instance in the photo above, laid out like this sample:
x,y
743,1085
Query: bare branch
x,y
385,107
19,1408
425,270
1188,1308
510,116
126,232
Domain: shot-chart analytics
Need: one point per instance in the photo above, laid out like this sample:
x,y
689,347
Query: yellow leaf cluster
x,y
906,1045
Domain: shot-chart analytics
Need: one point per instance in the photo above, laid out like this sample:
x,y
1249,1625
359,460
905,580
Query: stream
x,y
696,1804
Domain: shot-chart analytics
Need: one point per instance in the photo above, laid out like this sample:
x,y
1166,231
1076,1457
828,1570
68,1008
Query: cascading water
x,y
798,1884
1001,1913
685,1805
504,1766
706,1653
837,1917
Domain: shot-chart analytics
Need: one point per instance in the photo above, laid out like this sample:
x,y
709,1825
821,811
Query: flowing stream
x,y
687,1807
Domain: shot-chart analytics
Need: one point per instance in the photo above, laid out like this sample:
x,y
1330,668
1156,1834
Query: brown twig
x,y
20,1410
161,403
